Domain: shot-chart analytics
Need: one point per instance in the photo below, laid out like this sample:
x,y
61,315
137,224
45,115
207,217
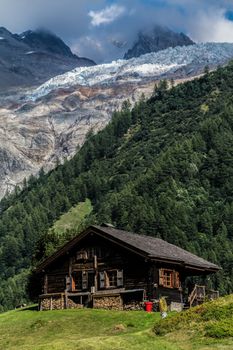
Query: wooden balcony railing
x,y
200,294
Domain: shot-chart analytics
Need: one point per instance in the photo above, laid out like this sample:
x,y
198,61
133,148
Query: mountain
x,y
43,40
33,57
160,38
41,127
165,169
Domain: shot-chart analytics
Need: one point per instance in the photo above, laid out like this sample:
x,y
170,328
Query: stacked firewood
x,y
45,304
134,306
108,303
52,304
72,305
57,303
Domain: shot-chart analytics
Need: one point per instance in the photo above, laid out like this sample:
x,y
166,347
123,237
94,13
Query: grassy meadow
x,y
207,327
73,218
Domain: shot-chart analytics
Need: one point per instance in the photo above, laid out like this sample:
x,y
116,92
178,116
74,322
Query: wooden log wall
x,y
56,283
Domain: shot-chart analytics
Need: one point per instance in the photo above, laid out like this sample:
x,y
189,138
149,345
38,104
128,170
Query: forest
x,y
162,168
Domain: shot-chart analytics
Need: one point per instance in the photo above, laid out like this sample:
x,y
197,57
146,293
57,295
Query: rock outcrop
x,y
157,39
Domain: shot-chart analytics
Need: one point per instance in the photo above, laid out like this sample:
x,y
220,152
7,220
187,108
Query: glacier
x,y
150,66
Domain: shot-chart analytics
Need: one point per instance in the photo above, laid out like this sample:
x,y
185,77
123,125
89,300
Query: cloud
x,y
213,26
107,15
93,27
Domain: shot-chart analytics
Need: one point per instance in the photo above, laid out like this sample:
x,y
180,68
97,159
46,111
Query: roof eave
x,y
185,265
62,251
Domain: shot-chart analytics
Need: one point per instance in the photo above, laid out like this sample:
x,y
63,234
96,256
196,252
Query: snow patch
x,y
30,52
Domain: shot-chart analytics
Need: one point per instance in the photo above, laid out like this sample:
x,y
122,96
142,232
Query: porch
x,y
200,294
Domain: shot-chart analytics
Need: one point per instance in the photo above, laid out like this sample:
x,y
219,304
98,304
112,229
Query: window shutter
x,y
119,278
67,283
102,279
72,283
161,273
176,279
84,280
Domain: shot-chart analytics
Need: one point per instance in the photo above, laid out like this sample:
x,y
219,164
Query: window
x,y
82,280
81,255
169,278
111,279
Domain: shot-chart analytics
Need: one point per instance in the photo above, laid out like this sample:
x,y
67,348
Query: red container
x,y
148,306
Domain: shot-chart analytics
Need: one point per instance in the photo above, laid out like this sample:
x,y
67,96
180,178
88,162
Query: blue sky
x,y
93,27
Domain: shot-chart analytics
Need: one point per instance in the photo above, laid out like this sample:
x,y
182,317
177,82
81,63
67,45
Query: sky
x,y
104,29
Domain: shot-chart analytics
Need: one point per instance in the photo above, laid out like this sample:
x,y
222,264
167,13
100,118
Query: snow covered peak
x,y
178,61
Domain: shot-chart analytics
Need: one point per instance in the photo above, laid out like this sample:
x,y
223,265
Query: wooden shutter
x,y
176,278
45,289
84,280
67,283
102,279
119,278
161,274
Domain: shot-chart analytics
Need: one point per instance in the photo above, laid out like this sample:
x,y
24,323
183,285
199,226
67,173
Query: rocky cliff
x,y
159,38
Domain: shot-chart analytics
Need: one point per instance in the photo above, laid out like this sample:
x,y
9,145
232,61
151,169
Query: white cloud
x,y
213,26
107,15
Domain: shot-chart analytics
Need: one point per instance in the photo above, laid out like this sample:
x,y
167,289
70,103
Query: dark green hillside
x,y
166,169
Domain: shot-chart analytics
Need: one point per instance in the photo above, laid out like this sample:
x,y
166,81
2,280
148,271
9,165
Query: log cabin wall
x,y
55,276
131,270
104,265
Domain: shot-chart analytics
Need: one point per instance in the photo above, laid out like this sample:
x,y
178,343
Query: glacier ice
x,y
149,66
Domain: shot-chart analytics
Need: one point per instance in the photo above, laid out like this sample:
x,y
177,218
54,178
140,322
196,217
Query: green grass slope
x,y
209,324
206,327
73,219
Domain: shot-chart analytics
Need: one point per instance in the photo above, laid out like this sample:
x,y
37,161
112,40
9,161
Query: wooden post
x,y
66,300
51,303
40,305
95,262
45,284
70,266
96,272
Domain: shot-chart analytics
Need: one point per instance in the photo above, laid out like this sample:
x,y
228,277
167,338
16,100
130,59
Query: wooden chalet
x,y
104,267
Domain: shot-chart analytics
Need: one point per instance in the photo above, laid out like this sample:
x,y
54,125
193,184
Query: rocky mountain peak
x,y
157,39
4,31
33,57
45,40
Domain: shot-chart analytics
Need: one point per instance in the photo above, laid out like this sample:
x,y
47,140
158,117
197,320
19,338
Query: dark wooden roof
x,y
146,246
159,249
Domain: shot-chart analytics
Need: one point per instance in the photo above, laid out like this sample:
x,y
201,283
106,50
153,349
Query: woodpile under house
x,y
107,268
